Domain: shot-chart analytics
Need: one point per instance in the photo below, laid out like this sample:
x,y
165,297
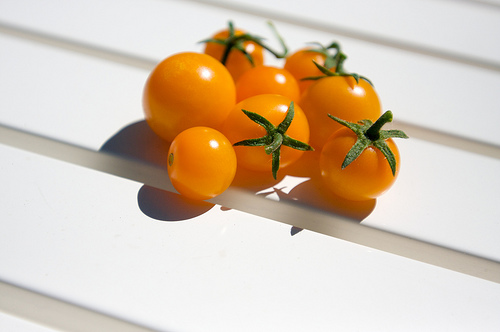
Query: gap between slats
x,y
366,37
435,136
299,216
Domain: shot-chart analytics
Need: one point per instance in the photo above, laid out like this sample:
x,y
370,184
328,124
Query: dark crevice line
x,y
349,33
283,211
148,64
449,140
485,3
78,47
59,314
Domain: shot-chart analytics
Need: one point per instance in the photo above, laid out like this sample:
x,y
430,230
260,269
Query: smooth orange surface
x,y
237,63
187,90
239,127
367,177
341,97
267,80
201,163
300,64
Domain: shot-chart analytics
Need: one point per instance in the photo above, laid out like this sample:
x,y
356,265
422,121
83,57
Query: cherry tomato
x,y
342,97
187,90
300,64
201,163
238,127
360,161
368,177
237,63
267,80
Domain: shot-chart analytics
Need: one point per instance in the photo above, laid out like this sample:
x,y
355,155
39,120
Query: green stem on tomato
x,y
275,137
330,59
233,42
371,134
280,40
340,59
339,70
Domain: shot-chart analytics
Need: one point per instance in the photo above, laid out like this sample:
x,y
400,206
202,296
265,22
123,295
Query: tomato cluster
x,y
225,108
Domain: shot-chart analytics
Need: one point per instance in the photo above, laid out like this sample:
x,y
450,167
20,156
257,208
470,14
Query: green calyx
x,y
370,133
235,42
330,59
338,62
275,138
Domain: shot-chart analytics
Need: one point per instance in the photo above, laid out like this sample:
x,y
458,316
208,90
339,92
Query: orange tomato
x,y
186,90
201,163
339,96
367,177
300,65
267,80
237,63
238,127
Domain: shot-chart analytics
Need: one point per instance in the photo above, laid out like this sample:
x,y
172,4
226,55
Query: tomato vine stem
x,y
373,132
235,42
369,133
275,137
330,59
335,67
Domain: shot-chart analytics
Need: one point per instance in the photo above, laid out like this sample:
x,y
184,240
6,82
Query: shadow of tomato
x,y
137,141
310,191
301,183
167,206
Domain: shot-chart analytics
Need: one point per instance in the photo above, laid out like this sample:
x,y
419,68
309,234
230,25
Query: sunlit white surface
x,y
135,252
86,239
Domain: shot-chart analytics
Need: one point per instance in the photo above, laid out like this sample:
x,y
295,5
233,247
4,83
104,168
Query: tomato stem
x,y
275,137
340,59
235,42
371,134
280,40
330,59
339,70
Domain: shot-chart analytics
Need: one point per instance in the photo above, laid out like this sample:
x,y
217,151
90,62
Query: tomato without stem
x,y
237,63
267,80
201,163
342,97
238,127
186,90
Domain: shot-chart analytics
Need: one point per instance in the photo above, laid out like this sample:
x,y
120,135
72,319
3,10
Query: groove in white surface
x,y
413,130
55,314
306,19
340,228
446,139
285,212
15,323
85,241
116,166
78,47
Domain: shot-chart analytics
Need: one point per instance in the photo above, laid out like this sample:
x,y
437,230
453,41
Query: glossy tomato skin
x,y
267,80
300,65
186,90
367,177
201,163
236,63
341,97
238,127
